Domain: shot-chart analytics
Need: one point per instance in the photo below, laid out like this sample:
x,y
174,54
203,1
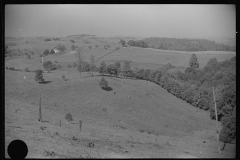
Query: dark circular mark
x,y
17,149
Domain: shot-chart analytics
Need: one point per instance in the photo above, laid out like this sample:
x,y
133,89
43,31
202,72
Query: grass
x,y
162,114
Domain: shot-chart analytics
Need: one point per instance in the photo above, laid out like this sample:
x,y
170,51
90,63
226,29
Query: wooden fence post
x,y
40,112
80,125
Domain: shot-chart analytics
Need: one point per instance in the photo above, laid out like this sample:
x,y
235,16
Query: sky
x,y
173,21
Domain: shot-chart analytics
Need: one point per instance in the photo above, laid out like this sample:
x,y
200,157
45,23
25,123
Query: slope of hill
x,y
135,119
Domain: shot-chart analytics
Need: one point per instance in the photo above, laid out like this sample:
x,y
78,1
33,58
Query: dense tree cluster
x,y
138,43
47,39
195,87
181,44
123,43
61,48
56,39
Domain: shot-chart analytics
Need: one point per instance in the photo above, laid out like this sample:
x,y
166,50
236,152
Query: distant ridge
x,y
81,35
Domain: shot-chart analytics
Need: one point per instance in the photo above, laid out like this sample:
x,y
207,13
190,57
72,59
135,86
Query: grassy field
x,y
134,119
140,57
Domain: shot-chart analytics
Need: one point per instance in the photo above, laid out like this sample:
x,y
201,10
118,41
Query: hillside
x,y
150,120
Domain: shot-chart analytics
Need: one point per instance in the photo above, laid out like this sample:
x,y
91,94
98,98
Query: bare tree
x,y
80,60
92,58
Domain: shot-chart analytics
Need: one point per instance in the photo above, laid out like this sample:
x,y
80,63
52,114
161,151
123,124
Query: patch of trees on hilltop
x,y
195,87
181,44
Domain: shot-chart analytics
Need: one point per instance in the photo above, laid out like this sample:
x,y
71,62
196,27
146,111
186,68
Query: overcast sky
x,y
179,21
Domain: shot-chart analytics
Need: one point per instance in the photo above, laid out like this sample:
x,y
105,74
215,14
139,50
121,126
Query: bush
x,y
48,65
61,48
90,47
11,68
26,70
75,65
72,41
68,117
54,66
46,52
59,66
103,83
69,66
47,39
63,77
39,76
51,51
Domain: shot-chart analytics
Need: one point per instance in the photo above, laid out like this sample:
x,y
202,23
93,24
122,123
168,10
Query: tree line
x,y
193,86
181,44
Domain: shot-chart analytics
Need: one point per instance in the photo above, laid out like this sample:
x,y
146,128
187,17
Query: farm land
x,y
135,119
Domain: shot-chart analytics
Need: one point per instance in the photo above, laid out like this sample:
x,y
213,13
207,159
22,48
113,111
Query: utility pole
x,y
219,150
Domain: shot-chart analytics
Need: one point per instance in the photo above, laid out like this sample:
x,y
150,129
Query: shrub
x,y
63,77
68,117
56,61
51,51
69,66
26,70
59,66
73,47
47,39
90,47
39,76
54,67
61,48
103,83
96,46
48,65
46,52
11,68
29,57
75,65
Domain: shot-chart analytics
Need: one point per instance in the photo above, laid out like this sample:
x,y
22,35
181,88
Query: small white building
x,y
56,50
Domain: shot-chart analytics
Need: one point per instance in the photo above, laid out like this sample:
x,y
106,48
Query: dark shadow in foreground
x,y
45,82
107,88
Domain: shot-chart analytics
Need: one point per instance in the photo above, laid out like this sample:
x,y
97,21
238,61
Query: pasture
x,y
134,119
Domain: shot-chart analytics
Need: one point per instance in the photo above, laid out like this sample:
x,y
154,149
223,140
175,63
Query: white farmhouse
x,y
56,50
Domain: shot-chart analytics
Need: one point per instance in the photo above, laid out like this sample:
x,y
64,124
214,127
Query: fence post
x,y
40,112
60,122
80,125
